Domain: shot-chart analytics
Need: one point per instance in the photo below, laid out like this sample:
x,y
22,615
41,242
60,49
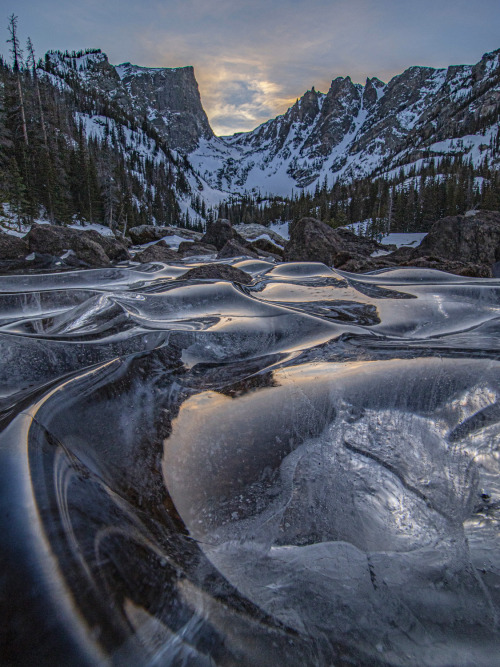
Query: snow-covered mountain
x,y
355,131
351,131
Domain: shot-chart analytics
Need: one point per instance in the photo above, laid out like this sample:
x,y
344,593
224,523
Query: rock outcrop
x,y
158,252
193,248
220,232
314,241
168,96
12,247
233,248
355,131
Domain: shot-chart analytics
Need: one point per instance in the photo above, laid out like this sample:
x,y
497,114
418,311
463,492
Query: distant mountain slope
x,y
354,131
351,132
129,145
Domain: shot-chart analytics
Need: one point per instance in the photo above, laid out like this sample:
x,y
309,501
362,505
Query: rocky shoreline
x,y
465,245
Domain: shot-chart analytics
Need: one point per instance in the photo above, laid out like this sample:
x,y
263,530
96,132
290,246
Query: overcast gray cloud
x,y
254,58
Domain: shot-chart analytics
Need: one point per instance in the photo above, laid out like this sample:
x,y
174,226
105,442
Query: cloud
x,y
253,58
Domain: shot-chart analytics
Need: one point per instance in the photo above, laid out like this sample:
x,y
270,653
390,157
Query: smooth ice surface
x,y
300,471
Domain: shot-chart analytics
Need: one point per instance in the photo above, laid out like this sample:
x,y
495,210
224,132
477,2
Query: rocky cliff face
x,y
171,100
354,131
167,97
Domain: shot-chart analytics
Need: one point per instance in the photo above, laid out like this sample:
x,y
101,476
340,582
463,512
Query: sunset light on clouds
x,y
253,59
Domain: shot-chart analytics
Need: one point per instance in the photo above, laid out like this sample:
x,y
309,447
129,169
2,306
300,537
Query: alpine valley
x,y
128,145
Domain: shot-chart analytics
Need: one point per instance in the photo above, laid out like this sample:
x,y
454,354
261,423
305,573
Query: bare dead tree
x,y
17,55
31,62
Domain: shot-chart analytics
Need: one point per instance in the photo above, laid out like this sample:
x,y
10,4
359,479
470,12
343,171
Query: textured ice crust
x,y
303,470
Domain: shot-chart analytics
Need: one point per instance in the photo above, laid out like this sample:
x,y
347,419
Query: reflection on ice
x,y
301,471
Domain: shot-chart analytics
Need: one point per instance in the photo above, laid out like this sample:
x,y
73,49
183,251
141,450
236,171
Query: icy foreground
x,y
300,471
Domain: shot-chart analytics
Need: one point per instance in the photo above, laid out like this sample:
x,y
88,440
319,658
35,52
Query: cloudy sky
x,y
253,58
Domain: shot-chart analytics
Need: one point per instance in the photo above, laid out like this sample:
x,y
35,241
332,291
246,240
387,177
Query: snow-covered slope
x,y
355,131
352,131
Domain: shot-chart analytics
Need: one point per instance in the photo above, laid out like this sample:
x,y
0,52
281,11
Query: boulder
x,y
360,245
471,239
217,272
115,249
56,241
192,248
233,248
361,263
251,231
267,247
314,241
220,232
158,252
12,247
89,246
149,233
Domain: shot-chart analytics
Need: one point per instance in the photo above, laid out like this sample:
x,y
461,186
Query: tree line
x,y
409,201
125,175
122,176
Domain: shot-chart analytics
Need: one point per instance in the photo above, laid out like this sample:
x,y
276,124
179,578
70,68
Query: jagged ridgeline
x,y
126,145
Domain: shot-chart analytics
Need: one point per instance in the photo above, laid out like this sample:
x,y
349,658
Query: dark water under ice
x,y
302,471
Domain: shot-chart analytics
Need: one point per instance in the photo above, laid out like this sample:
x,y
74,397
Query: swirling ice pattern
x,y
300,471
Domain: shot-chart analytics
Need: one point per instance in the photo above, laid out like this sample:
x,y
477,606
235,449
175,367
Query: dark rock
x,y
114,248
12,247
360,245
125,240
458,268
473,239
401,255
361,263
192,248
220,232
235,249
313,241
173,92
252,231
88,245
56,241
217,272
36,262
150,233
266,246
159,252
